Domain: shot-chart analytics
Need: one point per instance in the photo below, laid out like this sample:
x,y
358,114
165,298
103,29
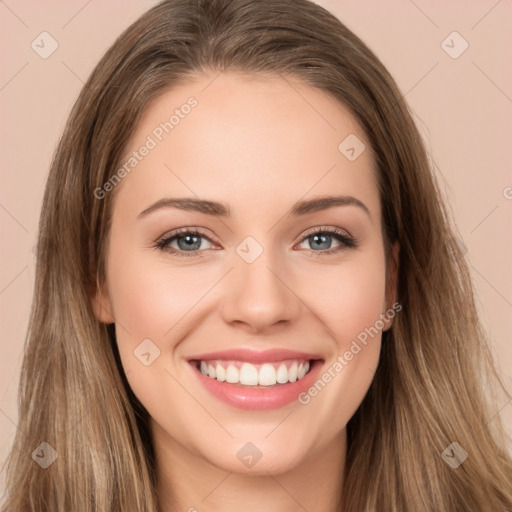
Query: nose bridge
x,y
257,294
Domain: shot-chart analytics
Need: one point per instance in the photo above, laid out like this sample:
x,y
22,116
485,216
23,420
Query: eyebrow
x,y
222,210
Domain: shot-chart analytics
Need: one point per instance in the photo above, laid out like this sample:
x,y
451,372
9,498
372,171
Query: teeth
x,y
247,374
267,375
282,374
221,373
232,374
292,372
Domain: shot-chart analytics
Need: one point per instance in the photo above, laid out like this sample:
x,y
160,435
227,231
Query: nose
x,y
258,296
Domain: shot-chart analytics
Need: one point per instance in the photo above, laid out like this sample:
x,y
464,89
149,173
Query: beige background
x,y
463,107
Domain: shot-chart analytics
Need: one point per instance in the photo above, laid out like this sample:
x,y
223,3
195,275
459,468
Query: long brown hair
x,y
428,391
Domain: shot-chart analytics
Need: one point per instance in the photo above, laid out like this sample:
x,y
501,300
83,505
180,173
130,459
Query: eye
x,y
184,242
321,240
191,242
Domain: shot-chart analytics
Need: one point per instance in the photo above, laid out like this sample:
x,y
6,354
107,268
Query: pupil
x,y
324,240
190,241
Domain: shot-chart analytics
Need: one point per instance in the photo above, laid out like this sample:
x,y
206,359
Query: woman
x,y
248,291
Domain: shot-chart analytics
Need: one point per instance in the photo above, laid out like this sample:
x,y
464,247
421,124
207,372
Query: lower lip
x,y
259,399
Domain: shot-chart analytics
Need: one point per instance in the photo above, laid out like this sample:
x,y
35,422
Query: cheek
x,y
348,298
151,302
361,305
150,297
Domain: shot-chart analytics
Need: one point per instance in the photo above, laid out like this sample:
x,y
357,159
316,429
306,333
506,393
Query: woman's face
x,y
266,274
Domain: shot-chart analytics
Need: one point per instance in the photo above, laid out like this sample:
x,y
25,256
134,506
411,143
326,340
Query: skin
x,y
258,145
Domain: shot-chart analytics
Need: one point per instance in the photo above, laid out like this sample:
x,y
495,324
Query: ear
x,y
102,305
391,293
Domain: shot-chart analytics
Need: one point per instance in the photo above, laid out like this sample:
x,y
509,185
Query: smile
x,y
256,381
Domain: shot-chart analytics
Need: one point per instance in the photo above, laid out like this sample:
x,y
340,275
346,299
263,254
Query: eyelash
x,y
346,241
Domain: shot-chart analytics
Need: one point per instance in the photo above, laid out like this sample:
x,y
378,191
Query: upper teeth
x,y
248,374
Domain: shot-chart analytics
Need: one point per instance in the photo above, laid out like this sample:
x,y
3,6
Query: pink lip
x,y
258,399
255,357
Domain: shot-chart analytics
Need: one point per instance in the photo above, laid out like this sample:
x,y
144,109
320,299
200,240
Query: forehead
x,y
245,139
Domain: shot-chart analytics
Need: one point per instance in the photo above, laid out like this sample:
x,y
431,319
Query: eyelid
x,y
328,229
186,230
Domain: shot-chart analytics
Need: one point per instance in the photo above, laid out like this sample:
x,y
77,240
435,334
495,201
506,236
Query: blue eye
x,y
189,242
320,241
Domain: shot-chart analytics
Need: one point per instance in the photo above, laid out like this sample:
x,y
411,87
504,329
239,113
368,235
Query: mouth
x,y
256,380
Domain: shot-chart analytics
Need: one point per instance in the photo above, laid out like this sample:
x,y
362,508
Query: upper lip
x,y
252,356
